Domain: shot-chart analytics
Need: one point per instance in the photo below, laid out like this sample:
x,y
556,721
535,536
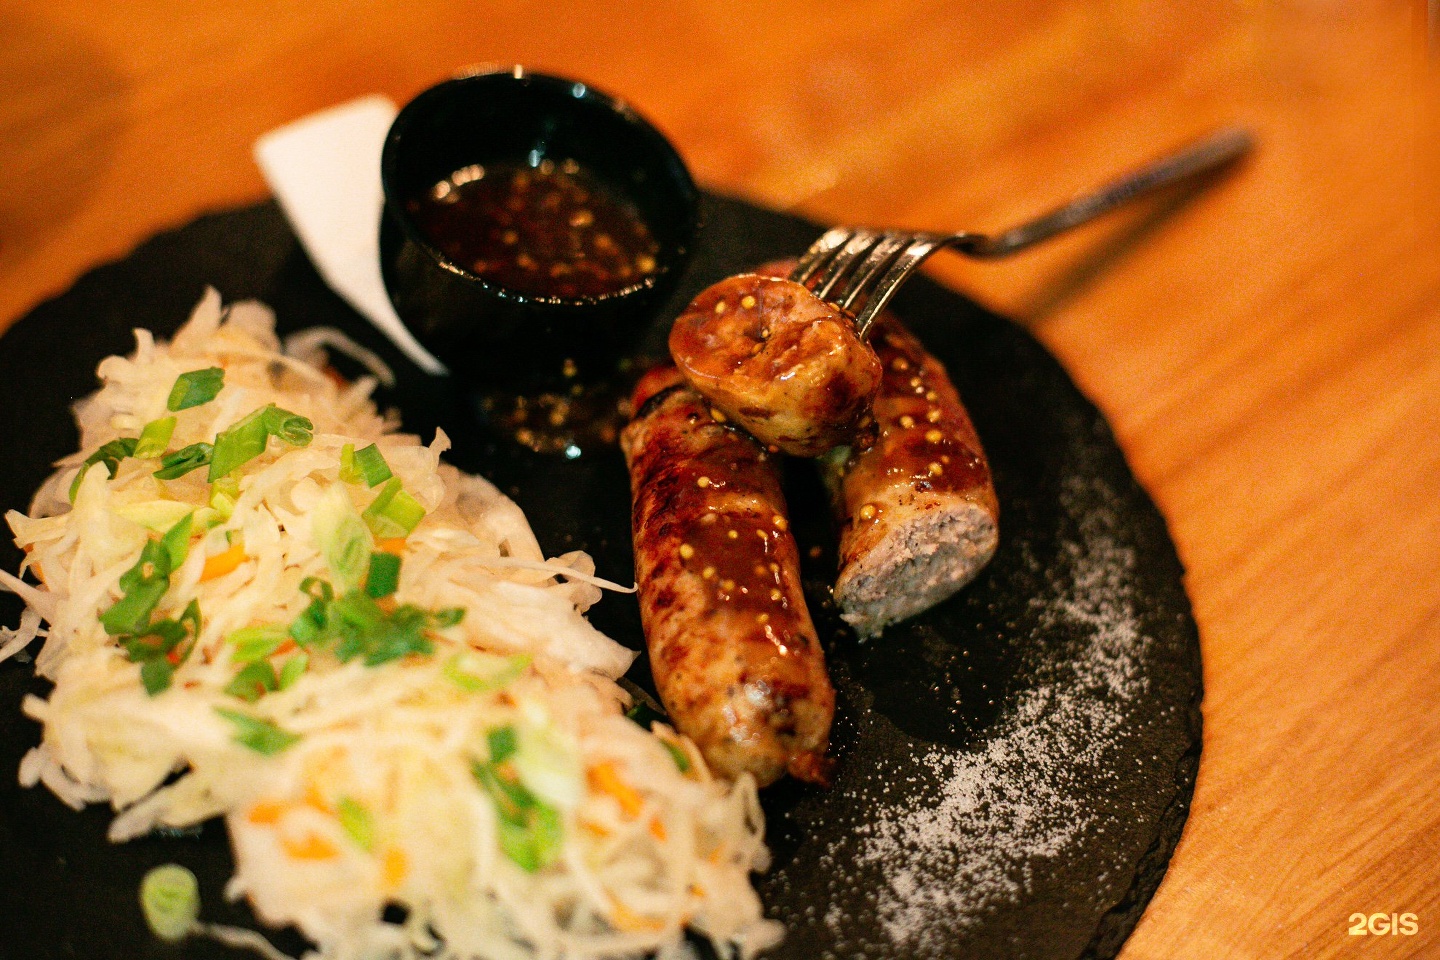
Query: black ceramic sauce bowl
x,y
489,335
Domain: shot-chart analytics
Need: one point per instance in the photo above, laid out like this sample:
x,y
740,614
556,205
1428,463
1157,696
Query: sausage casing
x,y
919,516
779,361
734,652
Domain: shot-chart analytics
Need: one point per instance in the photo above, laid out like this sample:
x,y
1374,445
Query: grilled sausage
x,y
919,517
732,647
774,358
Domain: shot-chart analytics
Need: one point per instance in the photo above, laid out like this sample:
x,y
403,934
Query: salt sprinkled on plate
x,y
945,857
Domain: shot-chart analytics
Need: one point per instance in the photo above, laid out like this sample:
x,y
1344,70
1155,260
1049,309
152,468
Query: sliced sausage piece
x,y
779,361
734,653
919,517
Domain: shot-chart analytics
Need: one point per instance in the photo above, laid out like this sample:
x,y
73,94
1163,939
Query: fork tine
x,y
819,253
844,260
905,264
875,261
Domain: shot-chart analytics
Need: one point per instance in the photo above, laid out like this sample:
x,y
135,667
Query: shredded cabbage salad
x,y
260,601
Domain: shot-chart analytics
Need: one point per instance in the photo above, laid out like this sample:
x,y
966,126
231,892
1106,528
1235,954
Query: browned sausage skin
x,y
917,507
779,361
919,516
734,653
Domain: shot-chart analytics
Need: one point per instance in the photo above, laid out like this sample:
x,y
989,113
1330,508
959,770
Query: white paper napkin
x,y
325,171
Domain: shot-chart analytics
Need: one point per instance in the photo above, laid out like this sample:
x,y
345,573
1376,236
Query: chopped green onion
x,y
370,463
533,841
175,465
157,641
357,822
311,626
342,537
256,643
384,576
162,646
156,676
109,454
530,832
262,736
348,472
170,899
380,637
447,617
394,513
243,442
288,427
293,670
253,681
248,438
644,714
481,672
317,589
195,388
224,494
503,742
155,438
144,586
681,758
177,541
360,627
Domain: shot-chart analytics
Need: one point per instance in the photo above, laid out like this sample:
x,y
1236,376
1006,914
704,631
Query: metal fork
x,y
850,265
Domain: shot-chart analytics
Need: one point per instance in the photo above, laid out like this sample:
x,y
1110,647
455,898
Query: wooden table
x,y
1268,351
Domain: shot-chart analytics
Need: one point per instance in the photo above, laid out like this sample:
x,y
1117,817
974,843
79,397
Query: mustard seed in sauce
x,y
548,230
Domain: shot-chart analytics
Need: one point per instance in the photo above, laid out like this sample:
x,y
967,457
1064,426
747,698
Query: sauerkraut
x,y
312,626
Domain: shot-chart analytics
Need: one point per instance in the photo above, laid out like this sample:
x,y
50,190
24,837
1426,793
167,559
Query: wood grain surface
x,y
1268,350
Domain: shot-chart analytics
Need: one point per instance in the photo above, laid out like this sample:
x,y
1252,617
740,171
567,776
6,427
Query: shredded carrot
x,y
657,829
315,800
223,563
395,545
284,648
387,604
603,779
266,814
715,855
29,548
595,828
393,867
312,847
626,919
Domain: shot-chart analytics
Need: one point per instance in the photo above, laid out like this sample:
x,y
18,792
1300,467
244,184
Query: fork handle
x,y
1210,153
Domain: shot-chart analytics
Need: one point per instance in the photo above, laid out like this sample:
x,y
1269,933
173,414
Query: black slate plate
x,y
1015,767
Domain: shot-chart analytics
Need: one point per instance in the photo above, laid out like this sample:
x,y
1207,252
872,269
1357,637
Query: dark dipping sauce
x,y
548,230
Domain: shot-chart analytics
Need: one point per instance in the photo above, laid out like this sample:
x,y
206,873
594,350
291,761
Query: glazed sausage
x,y
734,653
779,361
919,516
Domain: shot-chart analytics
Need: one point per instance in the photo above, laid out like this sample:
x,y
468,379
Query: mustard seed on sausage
x,y
734,652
